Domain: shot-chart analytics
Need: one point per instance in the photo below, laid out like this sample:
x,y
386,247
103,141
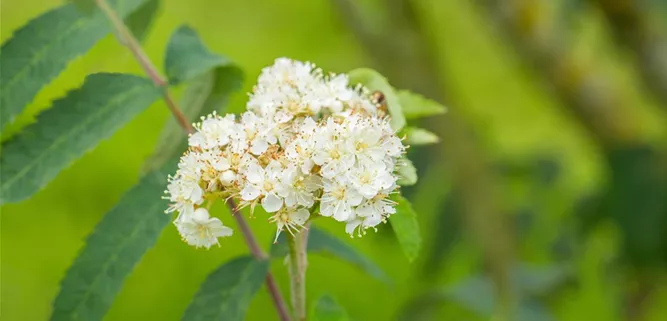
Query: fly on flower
x,y
308,142
380,101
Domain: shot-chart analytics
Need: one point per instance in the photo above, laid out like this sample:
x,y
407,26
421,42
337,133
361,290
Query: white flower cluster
x,y
308,143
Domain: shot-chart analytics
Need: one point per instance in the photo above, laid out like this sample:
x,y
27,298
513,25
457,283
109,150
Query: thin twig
x,y
258,253
277,298
254,247
636,300
131,42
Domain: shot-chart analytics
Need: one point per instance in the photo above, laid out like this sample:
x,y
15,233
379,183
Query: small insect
x,y
380,101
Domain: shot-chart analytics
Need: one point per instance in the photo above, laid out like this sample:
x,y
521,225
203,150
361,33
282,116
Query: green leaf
x,y
417,106
477,295
540,281
116,245
85,6
66,131
407,173
406,228
419,136
205,93
139,22
41,49
226,293
327,309
446,227
187,57
322,242
373,80
637,201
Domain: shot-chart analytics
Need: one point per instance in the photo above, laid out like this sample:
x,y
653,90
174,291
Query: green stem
x,y
297,269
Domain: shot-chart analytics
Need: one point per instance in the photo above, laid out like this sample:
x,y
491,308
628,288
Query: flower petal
x,y
249,193
272,203
300,216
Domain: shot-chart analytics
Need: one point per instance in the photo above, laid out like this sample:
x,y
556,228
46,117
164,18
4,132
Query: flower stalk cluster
x,y
308,142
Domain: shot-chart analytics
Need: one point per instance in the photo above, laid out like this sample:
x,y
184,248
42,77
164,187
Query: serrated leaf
x,y
373,80
407,173
419,136
417,106
321,242
41,49
327,309
205,93
226,293
140,21
187,57
116,245
71,127
406,228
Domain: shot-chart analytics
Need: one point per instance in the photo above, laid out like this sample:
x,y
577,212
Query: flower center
x,y
339,193
293,107
360,146
379,197
334,153
268,186
235,160
250,133
202,230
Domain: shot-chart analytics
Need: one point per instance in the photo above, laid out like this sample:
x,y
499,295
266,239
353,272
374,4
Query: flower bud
x,y
227,177
200,215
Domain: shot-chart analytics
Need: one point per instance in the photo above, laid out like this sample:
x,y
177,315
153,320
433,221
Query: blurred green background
x,y
526,149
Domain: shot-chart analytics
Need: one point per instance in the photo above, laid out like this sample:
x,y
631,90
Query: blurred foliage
x,y
552,153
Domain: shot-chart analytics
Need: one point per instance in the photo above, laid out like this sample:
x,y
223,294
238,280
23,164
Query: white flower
x,y
338,199
200,230
370,213
366,141
183,188
330,94
297,188
213,131
264,182
291,219
393,146
334,153
284,88
228,177
306,137
371,178
378,207
300,150
212,164
359,102
259,132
